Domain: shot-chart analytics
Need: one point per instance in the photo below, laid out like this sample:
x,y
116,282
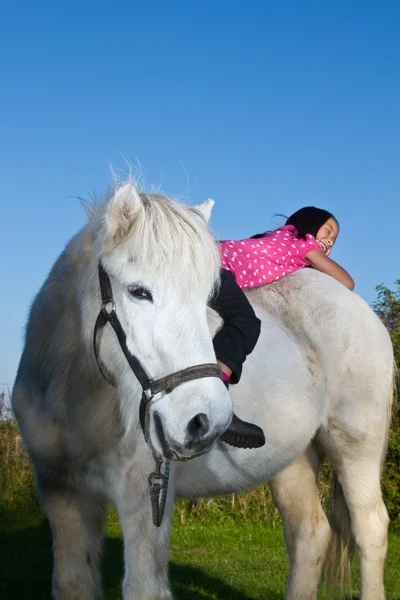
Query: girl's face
x,y
327,235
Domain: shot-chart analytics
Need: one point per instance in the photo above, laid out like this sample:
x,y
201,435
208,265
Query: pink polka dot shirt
x,y
255,262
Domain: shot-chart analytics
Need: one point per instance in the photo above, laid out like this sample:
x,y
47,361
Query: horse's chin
x,y
183,454
176,451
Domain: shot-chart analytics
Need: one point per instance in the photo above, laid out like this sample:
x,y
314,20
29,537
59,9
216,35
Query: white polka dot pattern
x,y
281,250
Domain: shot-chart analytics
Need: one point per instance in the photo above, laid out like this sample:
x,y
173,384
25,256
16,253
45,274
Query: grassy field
x,y
235,559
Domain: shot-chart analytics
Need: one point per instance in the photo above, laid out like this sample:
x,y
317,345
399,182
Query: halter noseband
x,y
150,387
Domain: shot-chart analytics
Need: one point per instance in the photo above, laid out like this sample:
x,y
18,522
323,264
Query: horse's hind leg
x,y
77,525
355,440
306,528
360,482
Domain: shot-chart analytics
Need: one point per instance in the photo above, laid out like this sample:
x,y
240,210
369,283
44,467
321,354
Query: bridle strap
x,y
170,382
167,383
149,386
109,314
97,334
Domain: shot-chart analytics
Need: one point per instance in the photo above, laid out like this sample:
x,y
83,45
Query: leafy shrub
x,y
387,307
16,474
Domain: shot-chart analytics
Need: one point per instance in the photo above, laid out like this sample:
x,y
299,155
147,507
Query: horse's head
x,y
163,266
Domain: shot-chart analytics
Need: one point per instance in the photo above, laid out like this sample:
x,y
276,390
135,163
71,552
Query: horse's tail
x,y
342,546
341,549
391,400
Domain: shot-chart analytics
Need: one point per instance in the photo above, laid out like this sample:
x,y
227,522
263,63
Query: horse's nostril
x,y
198,426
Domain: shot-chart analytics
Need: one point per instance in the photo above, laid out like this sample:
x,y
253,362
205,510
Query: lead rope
x,y
158,483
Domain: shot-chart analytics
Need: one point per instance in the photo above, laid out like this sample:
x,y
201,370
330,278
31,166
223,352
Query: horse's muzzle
x,y
198,439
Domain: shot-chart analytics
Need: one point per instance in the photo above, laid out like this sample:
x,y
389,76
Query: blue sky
x,y
264,106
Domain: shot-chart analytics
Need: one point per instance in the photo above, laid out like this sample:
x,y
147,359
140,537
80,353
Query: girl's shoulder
x,y
286,231
290,232
288,235
280,236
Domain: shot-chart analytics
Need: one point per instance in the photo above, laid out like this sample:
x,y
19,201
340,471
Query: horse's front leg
x,y
146,547
76,517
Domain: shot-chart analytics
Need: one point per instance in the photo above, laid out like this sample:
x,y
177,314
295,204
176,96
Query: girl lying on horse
x,y
306,240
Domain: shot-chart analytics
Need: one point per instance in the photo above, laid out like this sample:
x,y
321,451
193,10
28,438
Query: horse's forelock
x,y
170,238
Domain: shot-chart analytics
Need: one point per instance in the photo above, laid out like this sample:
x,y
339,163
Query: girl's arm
x,y
320,262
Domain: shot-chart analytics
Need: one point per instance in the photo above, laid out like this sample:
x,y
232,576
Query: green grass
x,y
229,560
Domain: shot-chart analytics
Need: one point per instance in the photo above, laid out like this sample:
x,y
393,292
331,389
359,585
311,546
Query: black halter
x,y
149,386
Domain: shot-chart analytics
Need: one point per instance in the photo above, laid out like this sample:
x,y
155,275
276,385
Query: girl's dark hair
x,y
306,220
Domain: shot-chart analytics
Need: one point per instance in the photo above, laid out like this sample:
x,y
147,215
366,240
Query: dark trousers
x,y
241,329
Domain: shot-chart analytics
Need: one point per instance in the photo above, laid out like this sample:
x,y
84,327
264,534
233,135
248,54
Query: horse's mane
x,y
172,239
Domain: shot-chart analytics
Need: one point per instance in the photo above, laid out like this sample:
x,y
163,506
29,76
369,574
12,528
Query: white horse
x,y
319,383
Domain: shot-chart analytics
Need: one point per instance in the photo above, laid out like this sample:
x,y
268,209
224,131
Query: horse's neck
x,y
56,312
72,270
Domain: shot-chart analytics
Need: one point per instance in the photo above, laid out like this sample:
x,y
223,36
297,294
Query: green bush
x,y
387,307
17,484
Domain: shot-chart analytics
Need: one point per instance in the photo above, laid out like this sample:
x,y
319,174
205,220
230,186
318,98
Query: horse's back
x,y
350,346
337,326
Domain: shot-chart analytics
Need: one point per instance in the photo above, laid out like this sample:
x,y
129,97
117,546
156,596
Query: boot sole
x,y
245,442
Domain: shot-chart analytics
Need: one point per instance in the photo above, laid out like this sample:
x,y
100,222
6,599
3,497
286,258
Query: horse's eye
x,y
140,293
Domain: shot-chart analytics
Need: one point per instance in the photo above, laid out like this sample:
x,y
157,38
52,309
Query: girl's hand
x,y
319,261
224,368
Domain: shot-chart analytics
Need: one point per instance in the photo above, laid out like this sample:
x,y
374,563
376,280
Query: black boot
x,y
242,434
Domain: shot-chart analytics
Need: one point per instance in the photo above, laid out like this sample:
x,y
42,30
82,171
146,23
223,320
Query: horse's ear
x,y
120,211
205,208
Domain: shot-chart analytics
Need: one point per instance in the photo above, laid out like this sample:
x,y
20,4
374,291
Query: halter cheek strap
x,y
150,387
